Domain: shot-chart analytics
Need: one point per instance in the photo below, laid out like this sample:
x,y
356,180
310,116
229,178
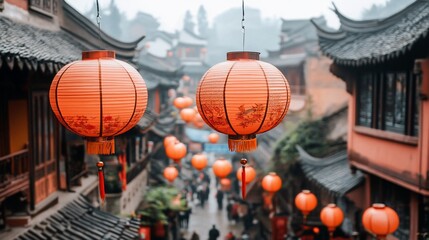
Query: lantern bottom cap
x,y
242,143
103,146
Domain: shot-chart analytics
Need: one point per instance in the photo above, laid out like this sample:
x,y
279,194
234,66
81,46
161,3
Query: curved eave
x,y
326,34
74,20
351,25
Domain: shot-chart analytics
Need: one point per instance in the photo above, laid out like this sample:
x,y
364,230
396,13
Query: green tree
x,y
188,22
203,24
384,10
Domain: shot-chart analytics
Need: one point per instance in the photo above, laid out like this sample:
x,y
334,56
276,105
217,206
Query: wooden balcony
x,y
14,173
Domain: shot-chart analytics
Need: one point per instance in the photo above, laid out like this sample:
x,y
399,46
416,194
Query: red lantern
x,y
171,173
332,217
250,174
243,97
179,102
225,184
213,138
222,168
187,114
195,109
380,220
98,98
169,140
176,151
272,182
188,101
199,161
306,202
186,78
198,121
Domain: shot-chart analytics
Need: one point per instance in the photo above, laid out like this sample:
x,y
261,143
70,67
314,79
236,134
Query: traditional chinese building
x,y
40,161
385,65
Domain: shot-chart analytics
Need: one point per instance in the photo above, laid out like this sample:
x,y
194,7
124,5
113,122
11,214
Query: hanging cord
x,y
98,20
243,29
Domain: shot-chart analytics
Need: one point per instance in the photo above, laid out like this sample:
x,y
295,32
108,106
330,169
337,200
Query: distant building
x,y
385,65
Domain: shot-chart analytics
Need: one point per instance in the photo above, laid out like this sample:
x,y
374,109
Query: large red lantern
x,y
176,151
250,174
187,114
380,220
272,182
243,97
98,98
306,202
213,138
222,168
170,173
332,217
199,161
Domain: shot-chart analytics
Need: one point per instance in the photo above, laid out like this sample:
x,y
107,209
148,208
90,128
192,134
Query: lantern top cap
x,y
306,191
242,55
378,205
88,55
332,205
272,174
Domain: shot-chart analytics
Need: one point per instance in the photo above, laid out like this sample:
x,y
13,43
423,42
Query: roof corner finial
x,y
335,9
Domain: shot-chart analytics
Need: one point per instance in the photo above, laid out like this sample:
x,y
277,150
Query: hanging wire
x,y
98,19
243,29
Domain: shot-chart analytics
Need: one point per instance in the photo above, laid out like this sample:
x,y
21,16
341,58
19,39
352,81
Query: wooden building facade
x,y
385,64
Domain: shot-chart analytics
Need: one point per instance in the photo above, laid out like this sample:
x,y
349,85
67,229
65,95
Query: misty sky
x,y
170,13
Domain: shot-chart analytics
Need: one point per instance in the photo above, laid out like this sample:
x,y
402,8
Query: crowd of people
x,y
197,192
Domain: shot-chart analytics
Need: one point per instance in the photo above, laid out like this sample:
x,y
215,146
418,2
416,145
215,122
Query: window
x,y
47,7
388,101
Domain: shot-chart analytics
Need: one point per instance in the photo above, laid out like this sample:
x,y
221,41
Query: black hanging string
x,y
243,29
98,20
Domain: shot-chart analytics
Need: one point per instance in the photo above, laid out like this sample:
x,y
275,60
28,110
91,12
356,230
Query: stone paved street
x,y
202,219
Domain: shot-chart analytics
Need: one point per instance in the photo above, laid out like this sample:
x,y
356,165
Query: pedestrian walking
x,y
195,236
219,198
213,233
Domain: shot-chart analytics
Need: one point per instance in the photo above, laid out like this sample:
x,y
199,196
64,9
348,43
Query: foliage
x,y
158,202
203,24
311,135
382,11
188,23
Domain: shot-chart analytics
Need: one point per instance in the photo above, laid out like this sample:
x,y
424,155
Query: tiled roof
x,y
35,48
80,220
332,173
148,119
366,42
165,123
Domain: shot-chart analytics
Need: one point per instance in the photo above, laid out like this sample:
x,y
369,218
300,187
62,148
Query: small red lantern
x,y
306,202
179,102
332,217
225,184
186,78
213,138
169,140
187,114
243,97
98,98
171,173
199,161
250,174
188,101
380,220
272,182
198,121
222,168
176,151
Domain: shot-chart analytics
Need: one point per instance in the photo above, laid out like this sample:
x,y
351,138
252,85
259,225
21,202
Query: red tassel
x,y
243,182
100,166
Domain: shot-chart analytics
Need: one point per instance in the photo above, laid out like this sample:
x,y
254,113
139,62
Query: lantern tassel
x,y
242,143
100,166
243,182
105,146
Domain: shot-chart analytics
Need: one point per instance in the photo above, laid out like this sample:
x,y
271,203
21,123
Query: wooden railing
x,y
13,166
